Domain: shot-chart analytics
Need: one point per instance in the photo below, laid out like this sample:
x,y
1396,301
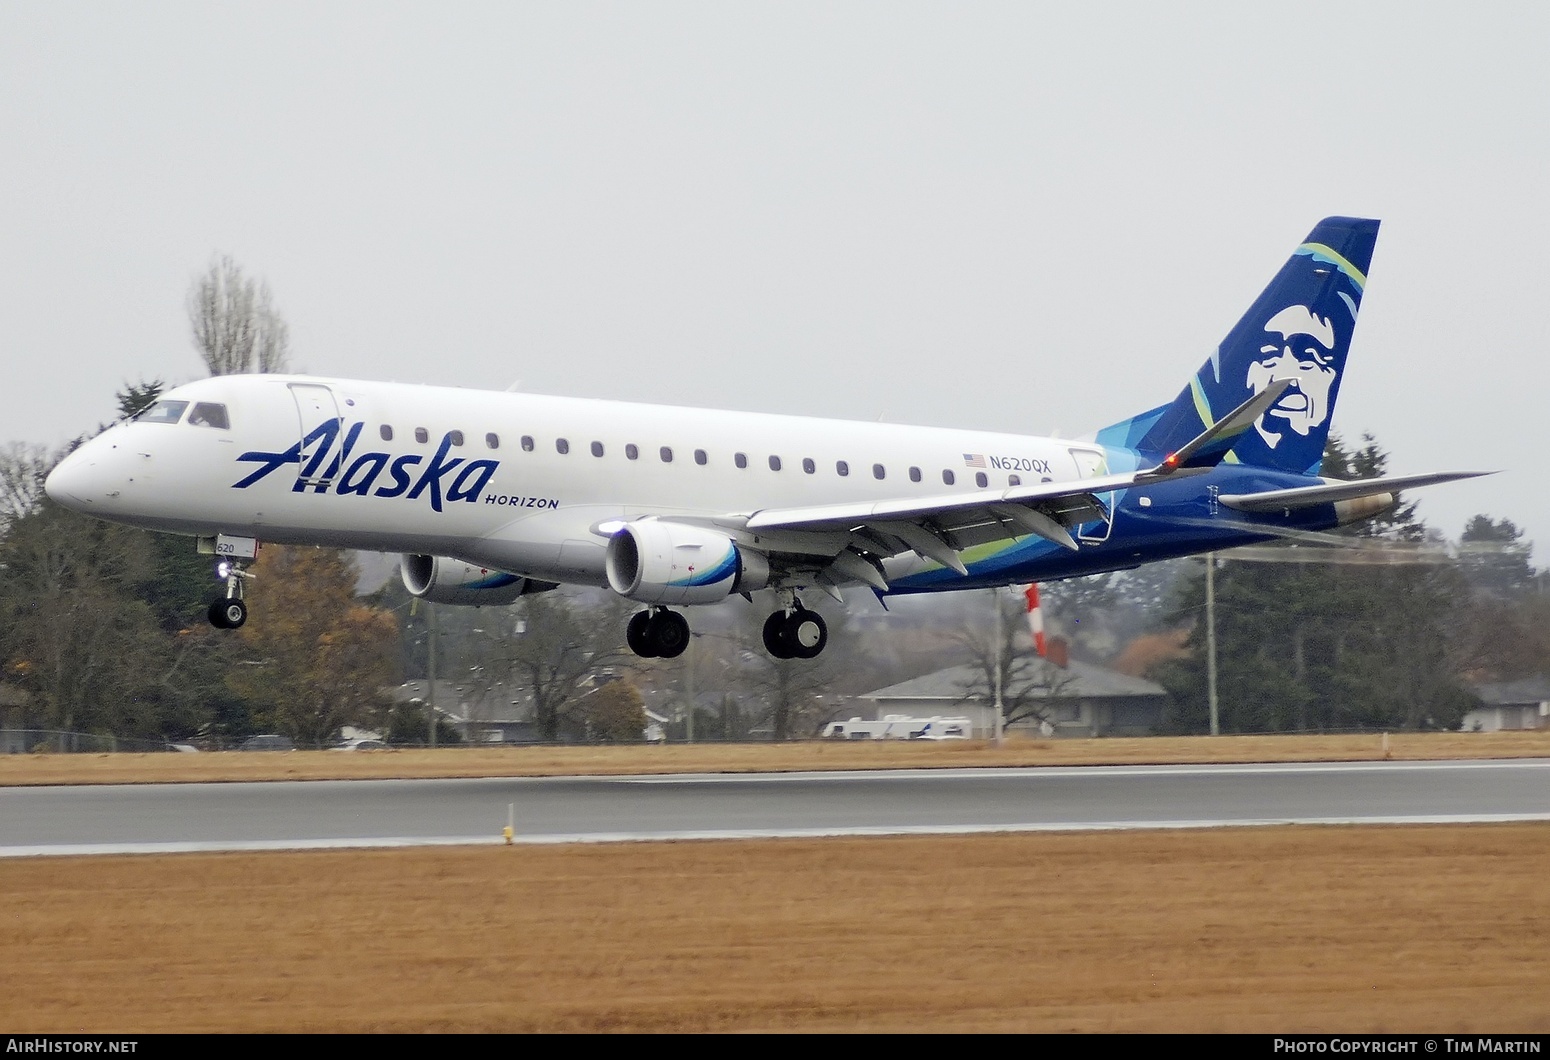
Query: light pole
x,y
995,599
430,693
1216,727
689,663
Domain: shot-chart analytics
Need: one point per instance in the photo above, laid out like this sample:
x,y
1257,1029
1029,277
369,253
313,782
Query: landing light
x,y
223,570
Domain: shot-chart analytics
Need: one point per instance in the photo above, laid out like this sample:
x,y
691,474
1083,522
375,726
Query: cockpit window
x,y
163,412
209,414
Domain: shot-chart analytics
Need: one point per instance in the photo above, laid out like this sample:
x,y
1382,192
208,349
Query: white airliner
x,y
492,495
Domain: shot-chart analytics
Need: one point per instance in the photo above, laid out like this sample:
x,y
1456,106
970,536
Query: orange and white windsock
x,y
1035,617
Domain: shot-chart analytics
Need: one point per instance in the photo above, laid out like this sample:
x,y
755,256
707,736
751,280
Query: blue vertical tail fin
x,y
1299,329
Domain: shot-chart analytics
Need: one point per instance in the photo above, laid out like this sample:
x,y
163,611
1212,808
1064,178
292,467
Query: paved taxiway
x,y
248,816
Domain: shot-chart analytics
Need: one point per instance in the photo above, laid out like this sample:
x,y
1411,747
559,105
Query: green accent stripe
x,y
1319,252
1202,406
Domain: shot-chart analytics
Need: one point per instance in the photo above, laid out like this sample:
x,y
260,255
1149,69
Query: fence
x,y
25,741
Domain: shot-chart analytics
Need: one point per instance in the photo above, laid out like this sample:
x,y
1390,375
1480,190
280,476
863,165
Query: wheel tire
x,y
217,614
234,613
638,636
669,633
806,633
775,636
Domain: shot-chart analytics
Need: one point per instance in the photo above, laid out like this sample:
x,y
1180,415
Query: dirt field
x,y
1423,929
747,758
1436,929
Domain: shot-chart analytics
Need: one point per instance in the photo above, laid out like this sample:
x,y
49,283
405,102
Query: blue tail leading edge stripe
x,y
1299,329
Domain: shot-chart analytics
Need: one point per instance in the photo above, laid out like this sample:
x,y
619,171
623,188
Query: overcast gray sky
x,y
1023,216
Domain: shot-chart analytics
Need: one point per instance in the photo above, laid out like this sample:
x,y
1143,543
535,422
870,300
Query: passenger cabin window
x,y
422,435
456,438
981,480
1011,480
527,447
807,465
562,446
878,472
841,468
163,412
387,436
597,450
667,458
740,459
947,478
774,466
914,477
491,441
209,414
700,457
631,452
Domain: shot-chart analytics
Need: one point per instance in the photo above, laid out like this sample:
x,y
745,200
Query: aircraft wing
x,y
938,528
1331,491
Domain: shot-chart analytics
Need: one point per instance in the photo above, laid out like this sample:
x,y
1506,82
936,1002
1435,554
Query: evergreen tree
x,y
313,659
1311,647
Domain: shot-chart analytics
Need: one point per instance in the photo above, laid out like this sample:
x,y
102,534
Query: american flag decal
x,y
973,460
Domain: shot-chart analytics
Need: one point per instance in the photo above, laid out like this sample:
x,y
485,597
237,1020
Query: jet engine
x,y
451,581
1359,508
669,563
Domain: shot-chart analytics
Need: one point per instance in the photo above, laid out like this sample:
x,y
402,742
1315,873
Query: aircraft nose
x,y
71,483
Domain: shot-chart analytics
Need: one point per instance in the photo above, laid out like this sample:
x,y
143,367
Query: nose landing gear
x,y
228,614
228,611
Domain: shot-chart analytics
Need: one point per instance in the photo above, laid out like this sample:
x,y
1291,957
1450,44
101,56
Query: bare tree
x,y
236,327
23,467
566,645
1029,683
795,697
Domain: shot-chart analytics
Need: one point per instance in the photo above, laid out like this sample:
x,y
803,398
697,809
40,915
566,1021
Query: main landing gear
x,y
657,633
228,611
793,632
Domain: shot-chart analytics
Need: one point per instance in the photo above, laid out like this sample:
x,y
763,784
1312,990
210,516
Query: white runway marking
x,y
94,849
1023,772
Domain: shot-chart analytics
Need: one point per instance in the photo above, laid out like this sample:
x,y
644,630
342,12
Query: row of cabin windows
x,y
491,440
208,414
632,452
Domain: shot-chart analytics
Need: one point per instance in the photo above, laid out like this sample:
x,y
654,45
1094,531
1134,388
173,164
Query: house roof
x,y
1534,689
459,701
1078,681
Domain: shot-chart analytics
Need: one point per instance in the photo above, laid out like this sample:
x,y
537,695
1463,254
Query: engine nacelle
x,y
1359,508
668,563
451,581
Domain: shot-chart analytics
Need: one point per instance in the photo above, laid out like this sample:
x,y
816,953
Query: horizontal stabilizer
x,y
1329,492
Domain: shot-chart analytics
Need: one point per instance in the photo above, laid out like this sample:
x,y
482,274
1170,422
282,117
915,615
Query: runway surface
x,y
366,813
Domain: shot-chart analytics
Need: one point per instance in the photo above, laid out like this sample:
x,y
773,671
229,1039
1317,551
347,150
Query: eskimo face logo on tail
x,y
455,479
1299,345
